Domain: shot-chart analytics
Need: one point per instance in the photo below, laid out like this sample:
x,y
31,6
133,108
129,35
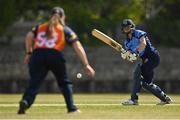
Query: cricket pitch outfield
x,y
93,106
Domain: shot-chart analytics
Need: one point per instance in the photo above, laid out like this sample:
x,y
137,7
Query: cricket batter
x,y
48,41
137,42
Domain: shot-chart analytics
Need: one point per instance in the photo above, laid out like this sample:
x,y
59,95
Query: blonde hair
x,y
51,26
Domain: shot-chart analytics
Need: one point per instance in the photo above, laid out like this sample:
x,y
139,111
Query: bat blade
x,y
108,40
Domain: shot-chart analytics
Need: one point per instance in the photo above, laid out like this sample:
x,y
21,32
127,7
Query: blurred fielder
x,y
49,40
137,42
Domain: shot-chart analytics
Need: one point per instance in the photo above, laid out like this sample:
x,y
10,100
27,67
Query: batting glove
x,y
126,55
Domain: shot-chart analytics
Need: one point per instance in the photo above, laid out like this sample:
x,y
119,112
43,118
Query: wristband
x,y
28,53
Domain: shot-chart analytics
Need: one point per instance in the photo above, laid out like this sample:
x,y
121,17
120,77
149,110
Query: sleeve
x,y
70,35
125,45
139,34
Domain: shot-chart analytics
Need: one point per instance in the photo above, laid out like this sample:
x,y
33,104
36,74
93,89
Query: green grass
x,y
93,106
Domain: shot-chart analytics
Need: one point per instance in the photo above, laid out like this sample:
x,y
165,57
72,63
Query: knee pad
x,y
154,89
153,85
148,85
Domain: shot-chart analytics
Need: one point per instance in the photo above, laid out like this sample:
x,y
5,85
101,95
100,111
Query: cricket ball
x,y
79,75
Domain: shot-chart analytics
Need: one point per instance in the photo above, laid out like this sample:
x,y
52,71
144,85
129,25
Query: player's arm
x,y
131,57
142,45
72,39
127,54
81,52
29,42
82,55
28,46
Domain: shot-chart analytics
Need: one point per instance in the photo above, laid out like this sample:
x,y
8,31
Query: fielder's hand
x,y
27,59
89,71
126,55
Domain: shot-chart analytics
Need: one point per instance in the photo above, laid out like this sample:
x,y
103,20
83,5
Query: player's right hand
x,y
27,59
89,71
124,55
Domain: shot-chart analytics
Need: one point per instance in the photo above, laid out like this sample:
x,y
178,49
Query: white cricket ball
x,y
79,75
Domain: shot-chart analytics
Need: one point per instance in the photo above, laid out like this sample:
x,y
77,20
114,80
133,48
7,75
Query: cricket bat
x,y
108,40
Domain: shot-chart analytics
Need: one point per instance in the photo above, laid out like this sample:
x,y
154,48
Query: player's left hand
x,y
89,71
132,57
126,55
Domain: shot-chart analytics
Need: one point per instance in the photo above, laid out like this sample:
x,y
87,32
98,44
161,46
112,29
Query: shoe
x,y
168,101
130,102
74,111
23,105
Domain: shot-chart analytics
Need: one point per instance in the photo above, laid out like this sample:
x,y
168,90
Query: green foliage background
x,y
160,18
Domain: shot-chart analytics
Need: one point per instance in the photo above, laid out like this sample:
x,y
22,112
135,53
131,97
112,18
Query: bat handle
x,y
123,50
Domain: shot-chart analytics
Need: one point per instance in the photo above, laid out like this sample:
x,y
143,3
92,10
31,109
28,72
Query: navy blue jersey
x,y
133,44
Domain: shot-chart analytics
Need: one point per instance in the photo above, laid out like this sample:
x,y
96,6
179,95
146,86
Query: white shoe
x,y
130,102
168,101
75,111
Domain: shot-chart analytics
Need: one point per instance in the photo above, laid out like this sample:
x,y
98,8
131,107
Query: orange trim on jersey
x,y
55,42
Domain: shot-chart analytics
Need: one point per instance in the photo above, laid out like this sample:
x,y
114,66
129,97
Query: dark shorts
x,y
44,60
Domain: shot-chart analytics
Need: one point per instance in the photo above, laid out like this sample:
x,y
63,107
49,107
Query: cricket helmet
x,y
127,22
58,10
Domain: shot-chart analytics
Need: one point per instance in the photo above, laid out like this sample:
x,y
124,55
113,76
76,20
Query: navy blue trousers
x,y
143,76
42,61
147,67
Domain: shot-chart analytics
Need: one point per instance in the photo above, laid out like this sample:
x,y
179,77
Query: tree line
x,y
160,18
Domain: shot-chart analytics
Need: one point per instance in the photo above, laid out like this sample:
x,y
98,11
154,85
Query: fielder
x,y
137,42
48,41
